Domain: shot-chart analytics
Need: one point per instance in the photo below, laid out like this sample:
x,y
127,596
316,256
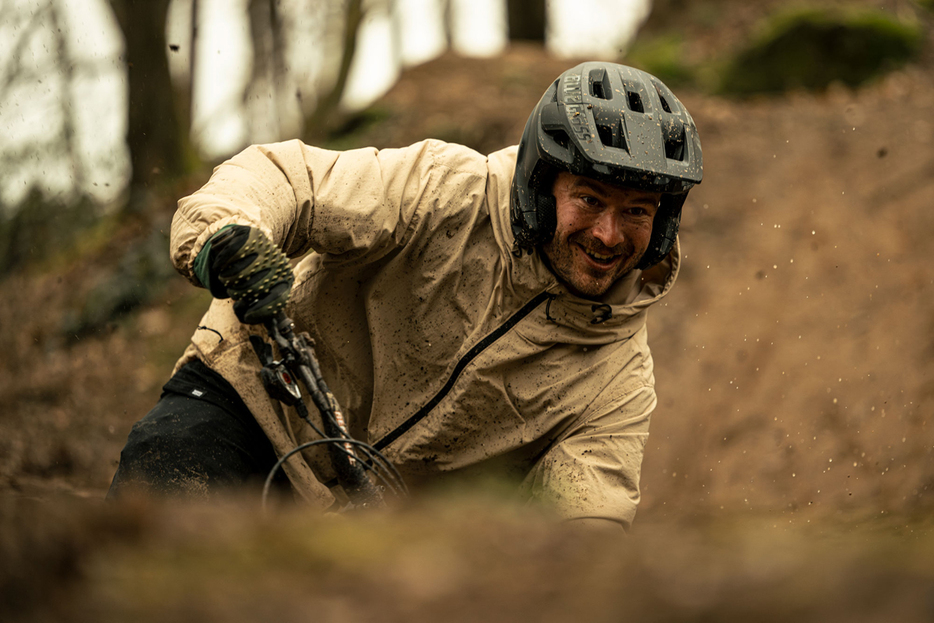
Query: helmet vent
x,y
674,142
606,135
635,102
662,91
600,85
561,138
611,135
597,89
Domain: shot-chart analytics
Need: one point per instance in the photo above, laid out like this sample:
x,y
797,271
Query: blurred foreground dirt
x,y
789,472
465,559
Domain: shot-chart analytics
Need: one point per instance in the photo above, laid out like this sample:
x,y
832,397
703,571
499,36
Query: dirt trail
x,y
795,360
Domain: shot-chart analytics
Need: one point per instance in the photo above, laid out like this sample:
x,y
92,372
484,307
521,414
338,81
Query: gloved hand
x,y
241,263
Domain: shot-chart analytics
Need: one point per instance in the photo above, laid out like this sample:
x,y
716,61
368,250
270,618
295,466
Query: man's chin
x,y
594,286
589,288
584,280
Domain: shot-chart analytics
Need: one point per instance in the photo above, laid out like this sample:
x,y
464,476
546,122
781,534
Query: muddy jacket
x,y
447,353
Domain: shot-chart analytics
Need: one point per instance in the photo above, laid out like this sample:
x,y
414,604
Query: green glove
x,y
241,263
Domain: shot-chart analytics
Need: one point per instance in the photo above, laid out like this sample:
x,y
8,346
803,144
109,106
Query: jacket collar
x,y
623,304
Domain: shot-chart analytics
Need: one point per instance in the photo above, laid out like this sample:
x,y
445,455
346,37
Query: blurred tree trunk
x,y
526,19
324,118
156,138
262,95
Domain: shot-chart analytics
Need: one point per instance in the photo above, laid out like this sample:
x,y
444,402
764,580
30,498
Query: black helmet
x,y
613,123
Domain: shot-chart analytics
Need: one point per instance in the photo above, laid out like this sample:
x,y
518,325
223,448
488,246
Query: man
x,y
472,314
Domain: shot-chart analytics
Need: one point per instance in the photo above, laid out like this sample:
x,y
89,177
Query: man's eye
x,y
591,201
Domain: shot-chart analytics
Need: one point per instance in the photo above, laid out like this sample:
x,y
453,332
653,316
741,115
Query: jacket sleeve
x,y
306,198
593,471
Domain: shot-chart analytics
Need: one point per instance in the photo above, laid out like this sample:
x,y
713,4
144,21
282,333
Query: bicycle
x,y
259,290
351,458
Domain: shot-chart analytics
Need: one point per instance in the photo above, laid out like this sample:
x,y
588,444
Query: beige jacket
x,y
449,354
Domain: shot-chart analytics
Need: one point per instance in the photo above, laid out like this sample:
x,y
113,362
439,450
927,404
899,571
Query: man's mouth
x,y
604,260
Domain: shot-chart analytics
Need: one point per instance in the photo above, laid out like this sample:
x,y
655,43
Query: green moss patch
x,y
662,56
811,48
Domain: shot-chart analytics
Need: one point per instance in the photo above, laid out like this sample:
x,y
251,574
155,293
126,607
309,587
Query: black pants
x,y
199,439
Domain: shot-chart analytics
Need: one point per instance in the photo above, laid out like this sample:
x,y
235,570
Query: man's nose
x,y
608,229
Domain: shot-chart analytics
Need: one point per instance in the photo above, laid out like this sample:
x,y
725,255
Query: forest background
x,y
789,471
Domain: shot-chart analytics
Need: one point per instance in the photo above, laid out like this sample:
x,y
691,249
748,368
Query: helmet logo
x,y
573,99
572,89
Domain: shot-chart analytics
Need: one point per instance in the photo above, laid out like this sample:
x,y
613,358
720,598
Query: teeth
x,y
600,256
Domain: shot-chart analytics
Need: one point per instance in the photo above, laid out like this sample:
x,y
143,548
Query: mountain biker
x,y
472,314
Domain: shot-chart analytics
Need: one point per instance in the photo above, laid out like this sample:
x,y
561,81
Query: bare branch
x,y
66,101
85,69
26,152
396,17
448,22
327,104
16,54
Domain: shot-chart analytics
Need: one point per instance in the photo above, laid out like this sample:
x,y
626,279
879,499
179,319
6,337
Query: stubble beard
x,y
581,279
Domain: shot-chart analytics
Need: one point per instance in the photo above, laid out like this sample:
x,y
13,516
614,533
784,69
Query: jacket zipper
x,y
464,361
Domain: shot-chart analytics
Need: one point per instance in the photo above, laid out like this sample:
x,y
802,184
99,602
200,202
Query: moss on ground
x,y
814,47
804,48
664,57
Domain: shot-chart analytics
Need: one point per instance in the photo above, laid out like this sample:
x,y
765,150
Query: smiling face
x,y
601,235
